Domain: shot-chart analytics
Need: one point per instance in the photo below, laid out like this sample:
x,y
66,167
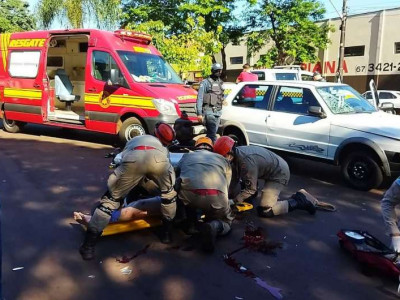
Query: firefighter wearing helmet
x,y
204,181
210,99
143,158
251,163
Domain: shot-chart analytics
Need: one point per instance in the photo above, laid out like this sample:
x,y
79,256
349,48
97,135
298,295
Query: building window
x,y
397,48
237,60
354,51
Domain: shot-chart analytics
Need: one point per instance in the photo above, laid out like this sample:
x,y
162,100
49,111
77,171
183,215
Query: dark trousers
x,y
212,120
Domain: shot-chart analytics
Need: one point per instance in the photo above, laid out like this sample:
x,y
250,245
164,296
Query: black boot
x,y
87,248
265,212
166,237
190,224
300,201
209,232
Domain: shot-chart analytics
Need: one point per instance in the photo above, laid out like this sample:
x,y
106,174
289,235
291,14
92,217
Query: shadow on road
x,y
43,180
70,134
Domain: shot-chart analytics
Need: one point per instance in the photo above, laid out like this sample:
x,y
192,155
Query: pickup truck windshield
x,y
145,67
343,99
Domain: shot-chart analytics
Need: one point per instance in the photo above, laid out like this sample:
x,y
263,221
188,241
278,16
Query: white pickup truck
x,y
319,120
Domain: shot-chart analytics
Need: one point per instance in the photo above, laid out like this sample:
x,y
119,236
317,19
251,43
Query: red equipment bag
x,y
369,251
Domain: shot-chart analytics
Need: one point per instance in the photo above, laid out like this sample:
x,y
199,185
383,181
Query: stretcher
x,y
133,225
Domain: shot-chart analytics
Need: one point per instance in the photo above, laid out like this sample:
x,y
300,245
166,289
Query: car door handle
x,y
36,85
92,90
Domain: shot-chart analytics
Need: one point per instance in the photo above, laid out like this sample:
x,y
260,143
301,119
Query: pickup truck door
x,y
291,128
249,107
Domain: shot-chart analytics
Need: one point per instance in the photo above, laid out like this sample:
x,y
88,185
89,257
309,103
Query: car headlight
x,y
165,107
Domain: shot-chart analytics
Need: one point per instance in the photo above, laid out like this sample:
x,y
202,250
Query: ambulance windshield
x,y
145,67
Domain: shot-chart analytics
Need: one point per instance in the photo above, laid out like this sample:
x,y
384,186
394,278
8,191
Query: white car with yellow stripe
x,y
319,120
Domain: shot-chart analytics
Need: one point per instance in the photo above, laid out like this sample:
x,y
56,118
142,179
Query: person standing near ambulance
x,y
143,157
210,99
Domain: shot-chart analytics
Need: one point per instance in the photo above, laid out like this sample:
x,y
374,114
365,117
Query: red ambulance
x,y
111,82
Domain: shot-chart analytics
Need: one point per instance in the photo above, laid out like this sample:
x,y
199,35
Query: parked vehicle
x,y
111,82
318,120
386,98
283,73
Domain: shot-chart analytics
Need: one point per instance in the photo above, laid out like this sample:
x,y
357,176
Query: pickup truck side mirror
x,y
316,111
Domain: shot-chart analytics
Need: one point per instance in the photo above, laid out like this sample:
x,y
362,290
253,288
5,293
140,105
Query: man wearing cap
x,y
210,99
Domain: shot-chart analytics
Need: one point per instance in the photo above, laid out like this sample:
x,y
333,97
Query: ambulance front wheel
x,y
130,128
12,126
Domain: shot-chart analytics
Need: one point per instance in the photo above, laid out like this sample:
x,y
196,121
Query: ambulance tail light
x,y
165,107
139,37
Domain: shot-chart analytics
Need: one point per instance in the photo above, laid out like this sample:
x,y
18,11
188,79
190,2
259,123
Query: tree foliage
x,y
187,50
15,16
289,27
79,13
204,25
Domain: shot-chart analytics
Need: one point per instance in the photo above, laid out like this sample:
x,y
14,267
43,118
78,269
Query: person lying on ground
x,y
138,209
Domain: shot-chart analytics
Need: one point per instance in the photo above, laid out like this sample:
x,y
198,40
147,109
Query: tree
x,y
213,20
186,51
166,11
15,16
216,15
79,13
289,27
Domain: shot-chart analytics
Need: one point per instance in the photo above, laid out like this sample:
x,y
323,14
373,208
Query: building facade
x,y
372,51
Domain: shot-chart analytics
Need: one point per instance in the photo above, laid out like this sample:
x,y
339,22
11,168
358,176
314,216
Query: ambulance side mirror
x,y
115,78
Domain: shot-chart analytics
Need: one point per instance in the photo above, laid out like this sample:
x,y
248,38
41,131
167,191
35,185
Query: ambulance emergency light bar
x,y
133,35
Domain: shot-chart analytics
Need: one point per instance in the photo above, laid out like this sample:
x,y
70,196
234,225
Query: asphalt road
x,y
47,173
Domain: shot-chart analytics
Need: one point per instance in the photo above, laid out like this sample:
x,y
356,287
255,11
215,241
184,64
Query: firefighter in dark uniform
x,y
143,157
210,99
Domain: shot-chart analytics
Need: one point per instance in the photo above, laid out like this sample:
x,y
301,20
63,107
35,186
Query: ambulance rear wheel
x,y
12,126
130,128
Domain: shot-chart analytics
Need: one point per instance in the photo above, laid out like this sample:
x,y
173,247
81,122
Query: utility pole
x,y
339,72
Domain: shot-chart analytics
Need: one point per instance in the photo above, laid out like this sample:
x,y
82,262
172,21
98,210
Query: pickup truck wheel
x,y
12,126
130,128
361,171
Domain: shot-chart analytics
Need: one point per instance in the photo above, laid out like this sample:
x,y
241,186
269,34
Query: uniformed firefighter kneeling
x,y
204,182
143,157
250,163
